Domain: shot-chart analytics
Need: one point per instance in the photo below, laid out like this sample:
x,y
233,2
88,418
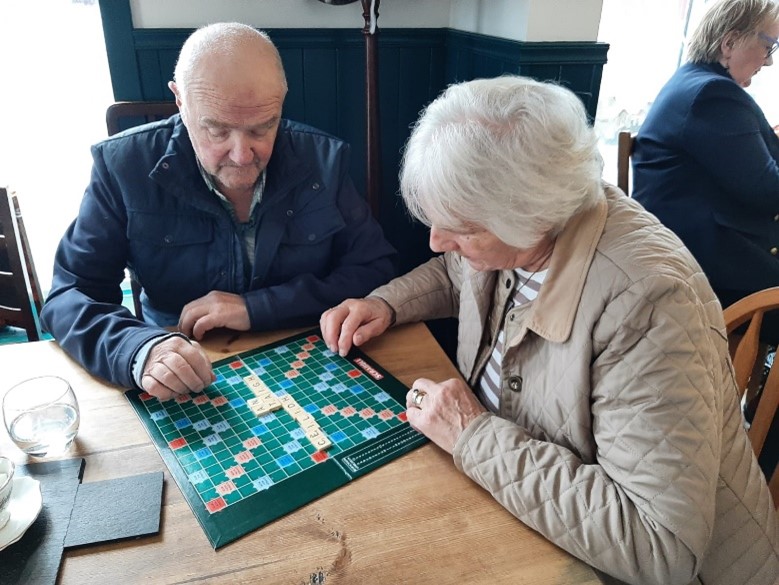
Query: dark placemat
x,y
115,509
35,558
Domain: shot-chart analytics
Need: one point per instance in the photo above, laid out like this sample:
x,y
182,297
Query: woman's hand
x,y
442,411
354,322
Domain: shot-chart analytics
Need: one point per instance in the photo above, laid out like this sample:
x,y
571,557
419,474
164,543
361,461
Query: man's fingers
x,y
177,366
167,377
199,362
201,327
153,387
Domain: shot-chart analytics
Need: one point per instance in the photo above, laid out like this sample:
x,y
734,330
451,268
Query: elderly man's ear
x,y
175,90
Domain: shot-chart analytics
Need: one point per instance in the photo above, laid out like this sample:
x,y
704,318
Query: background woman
x,y
705,160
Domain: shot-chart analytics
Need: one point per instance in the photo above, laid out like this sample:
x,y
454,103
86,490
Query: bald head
x,y
226,47
230,89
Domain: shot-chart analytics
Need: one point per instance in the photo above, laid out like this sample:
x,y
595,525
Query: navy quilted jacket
x,y
148,209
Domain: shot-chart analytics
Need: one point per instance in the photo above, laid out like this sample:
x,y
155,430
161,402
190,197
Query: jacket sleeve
x,y
643,510
727,135
83,311
430,291
360,260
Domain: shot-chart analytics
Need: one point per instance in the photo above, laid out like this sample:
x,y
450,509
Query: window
x,y
56,89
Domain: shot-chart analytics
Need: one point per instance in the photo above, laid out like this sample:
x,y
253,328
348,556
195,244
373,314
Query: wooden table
x,y
416,520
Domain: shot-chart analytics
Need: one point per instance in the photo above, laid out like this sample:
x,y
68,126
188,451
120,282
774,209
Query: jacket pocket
x,y
313,226
167,231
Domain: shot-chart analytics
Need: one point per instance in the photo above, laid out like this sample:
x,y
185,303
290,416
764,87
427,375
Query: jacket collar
x,y
553,312
286,168
179,163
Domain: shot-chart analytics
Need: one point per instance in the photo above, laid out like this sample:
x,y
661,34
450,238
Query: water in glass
x,y
48,430
41,415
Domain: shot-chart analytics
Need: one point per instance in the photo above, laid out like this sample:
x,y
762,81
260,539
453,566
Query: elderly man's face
x,y
232,111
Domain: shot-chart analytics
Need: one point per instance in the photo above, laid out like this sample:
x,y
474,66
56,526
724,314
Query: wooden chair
x,y
746,356
121,116
20,293
625,141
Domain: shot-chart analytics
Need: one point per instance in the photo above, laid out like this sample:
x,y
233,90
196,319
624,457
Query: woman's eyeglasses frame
x,y
772,41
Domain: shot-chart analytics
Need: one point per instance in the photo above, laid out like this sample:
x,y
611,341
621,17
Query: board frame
x,y
281,498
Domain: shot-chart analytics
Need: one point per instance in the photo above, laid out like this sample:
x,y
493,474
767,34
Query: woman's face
x,y
745,57
485,251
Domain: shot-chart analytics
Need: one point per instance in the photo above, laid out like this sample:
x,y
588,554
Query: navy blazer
x,y
147,208
705,163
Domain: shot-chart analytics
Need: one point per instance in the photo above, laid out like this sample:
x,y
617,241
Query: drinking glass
x,y
41,415
6,488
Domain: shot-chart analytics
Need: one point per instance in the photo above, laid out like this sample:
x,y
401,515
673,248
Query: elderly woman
x,y
706,160
598,405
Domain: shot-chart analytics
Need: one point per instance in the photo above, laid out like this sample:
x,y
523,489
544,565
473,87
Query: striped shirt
x,y
525,290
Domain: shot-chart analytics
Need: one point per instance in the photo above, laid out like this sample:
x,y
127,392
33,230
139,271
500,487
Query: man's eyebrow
x,y
214,123
210,122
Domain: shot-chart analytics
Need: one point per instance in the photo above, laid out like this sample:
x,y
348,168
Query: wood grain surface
x,y
416,520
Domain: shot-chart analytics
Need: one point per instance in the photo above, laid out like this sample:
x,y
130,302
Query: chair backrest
x,y
745,355
121,116
625,142
20,293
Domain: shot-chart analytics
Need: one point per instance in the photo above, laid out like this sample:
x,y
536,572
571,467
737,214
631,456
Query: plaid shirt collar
x,y
259,188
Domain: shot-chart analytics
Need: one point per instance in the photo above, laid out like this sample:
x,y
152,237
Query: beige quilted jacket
x,y
620,437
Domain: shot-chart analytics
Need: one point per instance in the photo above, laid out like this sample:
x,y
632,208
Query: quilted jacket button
x,y
168,239
774,251
515,383
315,186
776,217
508,283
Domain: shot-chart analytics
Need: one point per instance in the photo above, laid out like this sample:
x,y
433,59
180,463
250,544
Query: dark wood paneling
x,y
577,65
326,76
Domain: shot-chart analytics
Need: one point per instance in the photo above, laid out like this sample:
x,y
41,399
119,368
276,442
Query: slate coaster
x,y
35,558
115,509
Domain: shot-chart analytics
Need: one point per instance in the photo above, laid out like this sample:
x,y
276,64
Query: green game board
x,y
239,471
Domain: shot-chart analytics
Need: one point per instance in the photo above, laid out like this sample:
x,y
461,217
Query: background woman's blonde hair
x,y
741,17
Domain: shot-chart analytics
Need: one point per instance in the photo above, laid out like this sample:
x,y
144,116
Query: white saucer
x,y
25,505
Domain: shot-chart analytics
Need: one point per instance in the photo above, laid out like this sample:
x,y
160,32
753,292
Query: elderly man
x,y
226,214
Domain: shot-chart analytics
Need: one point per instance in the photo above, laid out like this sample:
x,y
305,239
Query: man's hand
x,y
176,366
354,322
216,309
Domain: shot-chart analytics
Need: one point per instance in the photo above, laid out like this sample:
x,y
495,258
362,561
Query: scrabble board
x,y
282,425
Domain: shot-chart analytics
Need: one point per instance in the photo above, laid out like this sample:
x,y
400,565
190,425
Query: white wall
x,y
286,13
530,20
